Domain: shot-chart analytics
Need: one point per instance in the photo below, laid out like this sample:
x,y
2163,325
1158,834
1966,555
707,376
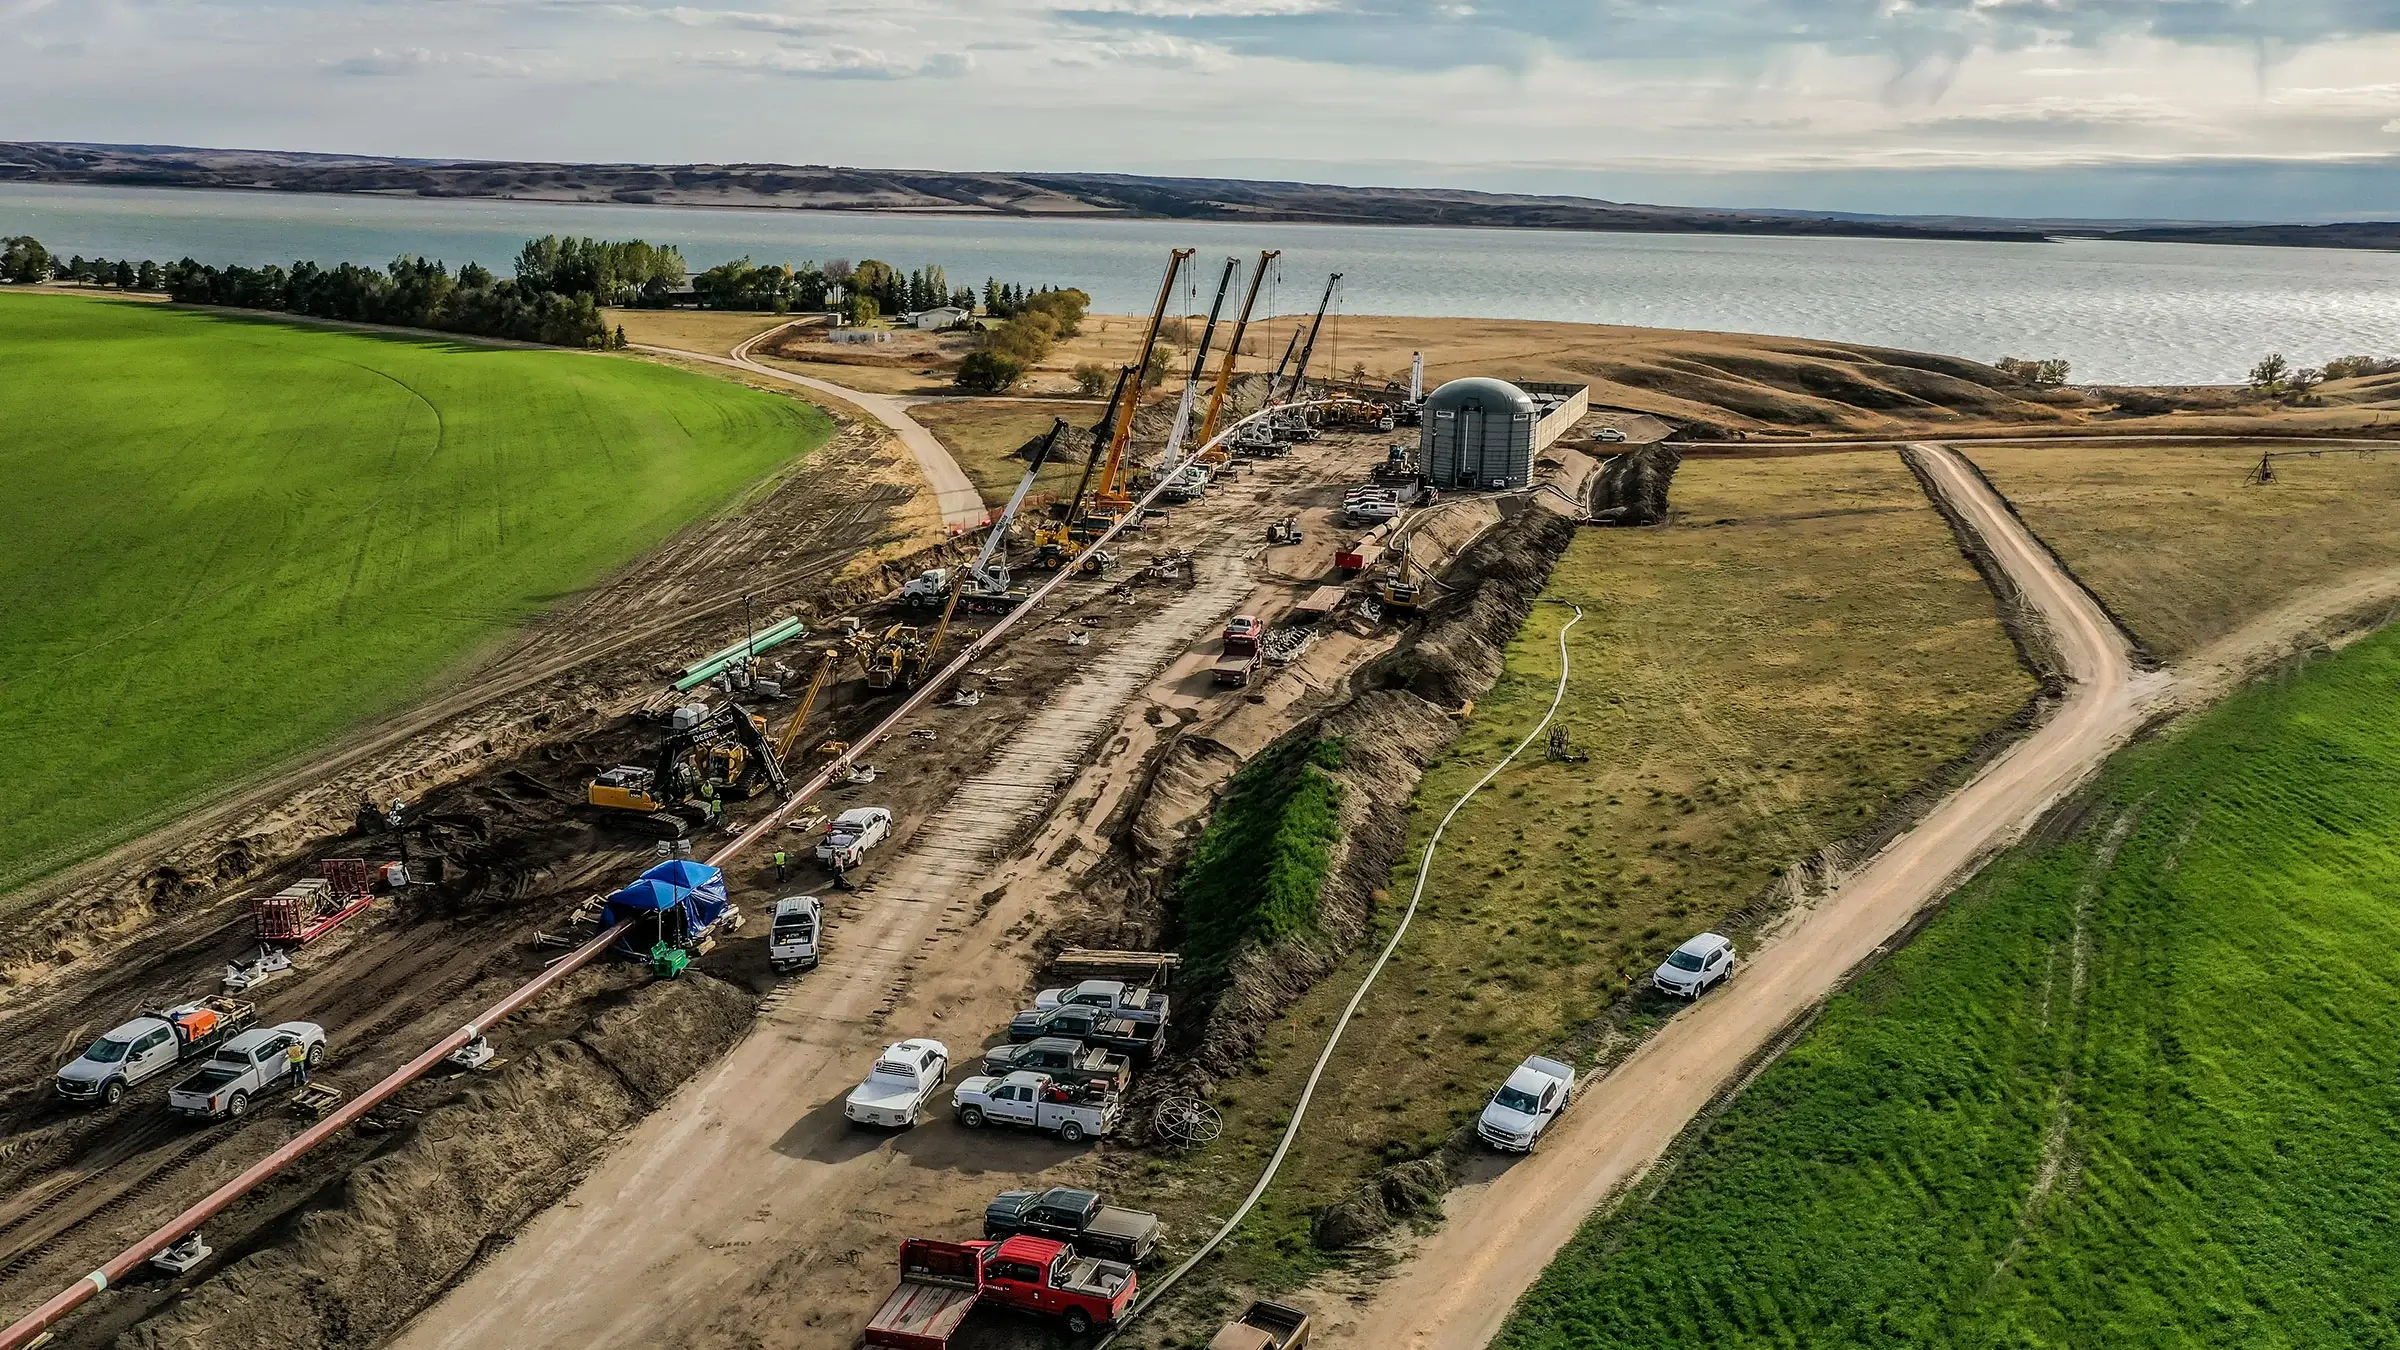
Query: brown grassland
x,y
2182,546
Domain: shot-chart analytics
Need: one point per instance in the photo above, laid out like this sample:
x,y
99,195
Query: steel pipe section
x,y
28,1329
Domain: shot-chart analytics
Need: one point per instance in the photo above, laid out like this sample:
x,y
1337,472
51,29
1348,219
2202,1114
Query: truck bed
x,y
920,1316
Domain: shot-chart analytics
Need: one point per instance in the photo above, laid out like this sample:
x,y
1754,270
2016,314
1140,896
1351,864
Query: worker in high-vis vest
x,y
782,865
296,1056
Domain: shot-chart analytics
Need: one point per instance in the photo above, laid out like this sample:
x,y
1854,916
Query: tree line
x,y
1010,348
865,291
554,298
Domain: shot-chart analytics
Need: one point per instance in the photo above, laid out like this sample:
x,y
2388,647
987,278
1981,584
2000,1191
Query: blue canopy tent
x,y
673,903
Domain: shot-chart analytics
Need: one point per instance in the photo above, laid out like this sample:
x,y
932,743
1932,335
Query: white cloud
x,y
2392,128
1156,50
2347,98
410,60
838,62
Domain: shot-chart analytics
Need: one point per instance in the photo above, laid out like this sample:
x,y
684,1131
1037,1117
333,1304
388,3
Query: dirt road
x,y
1458,1287
961,505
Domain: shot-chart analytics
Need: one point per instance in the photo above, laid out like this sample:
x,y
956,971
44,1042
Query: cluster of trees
x,y
2278,378
555,297
2358,367
411,293
867,290
1009,349
629,272
2048,374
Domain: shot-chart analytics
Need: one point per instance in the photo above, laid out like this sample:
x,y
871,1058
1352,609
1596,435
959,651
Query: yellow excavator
x,y
1398,588
808,704
705,758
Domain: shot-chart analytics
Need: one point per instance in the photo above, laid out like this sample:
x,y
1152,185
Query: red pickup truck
x,y
941,1282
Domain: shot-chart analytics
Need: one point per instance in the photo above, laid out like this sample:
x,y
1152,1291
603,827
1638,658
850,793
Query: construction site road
x,y
961,505
1457,1288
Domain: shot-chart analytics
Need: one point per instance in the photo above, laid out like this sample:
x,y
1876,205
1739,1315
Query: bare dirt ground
x,y
748,1212
1457,1286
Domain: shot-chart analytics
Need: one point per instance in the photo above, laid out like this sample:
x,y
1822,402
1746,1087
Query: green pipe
x,y
774,632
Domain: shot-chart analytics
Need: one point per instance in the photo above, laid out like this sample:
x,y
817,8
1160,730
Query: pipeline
x,y
30,1328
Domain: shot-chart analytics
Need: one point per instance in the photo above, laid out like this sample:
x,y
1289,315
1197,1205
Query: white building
x,y
941,317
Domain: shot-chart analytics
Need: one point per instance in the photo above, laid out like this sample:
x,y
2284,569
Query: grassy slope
x,y
2181,547
230,538
1749,692
2190,1144
985,436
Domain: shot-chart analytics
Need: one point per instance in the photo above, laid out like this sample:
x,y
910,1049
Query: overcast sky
x,y
2229,109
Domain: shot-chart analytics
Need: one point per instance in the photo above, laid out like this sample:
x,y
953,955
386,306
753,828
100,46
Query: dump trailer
x,y
939,1285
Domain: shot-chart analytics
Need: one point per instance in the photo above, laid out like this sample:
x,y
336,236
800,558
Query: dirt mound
x,y
1398,1192
401,1229
1633,487
1464,645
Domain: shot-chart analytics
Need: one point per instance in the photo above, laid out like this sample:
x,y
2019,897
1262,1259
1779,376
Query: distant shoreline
x,y
909,194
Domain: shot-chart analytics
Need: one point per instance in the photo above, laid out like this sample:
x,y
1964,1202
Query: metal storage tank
x,y
1478,433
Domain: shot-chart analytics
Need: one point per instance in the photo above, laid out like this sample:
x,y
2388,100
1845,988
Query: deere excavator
x,y
706,757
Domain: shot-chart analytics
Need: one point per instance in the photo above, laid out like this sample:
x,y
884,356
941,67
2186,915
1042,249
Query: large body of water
x,y
2121,312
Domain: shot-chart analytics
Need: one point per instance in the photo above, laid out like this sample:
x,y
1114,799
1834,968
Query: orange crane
x,y
1110,497
1216,397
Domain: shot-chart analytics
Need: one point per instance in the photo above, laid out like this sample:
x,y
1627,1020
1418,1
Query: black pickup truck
x,y
1065,1060
1077,1217
1091,1026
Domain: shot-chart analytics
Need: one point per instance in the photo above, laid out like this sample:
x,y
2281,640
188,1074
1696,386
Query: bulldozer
x,y
706,758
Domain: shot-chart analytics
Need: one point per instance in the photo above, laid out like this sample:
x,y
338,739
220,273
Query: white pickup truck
x,y
150,1045
851,834
1031,1100
792,937
245,1067
894,1092
1111,996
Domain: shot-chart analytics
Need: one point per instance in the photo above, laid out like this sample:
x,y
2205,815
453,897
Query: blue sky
x,y
2224,109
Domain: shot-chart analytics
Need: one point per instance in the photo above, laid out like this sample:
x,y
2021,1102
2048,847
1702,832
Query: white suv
x,y
1691,968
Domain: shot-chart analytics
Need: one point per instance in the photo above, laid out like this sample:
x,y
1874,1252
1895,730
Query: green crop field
x,y
2139,1085
230,538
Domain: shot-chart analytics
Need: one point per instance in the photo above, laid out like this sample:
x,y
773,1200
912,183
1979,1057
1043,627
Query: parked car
x,y
1242,633
151,1044
1116,996
1535,1093
941,1282
1141,1039
851,834
250,1064
1034,1102
1690,969
792,938
894,1092
1611,435
1065,1059
1076,1216
1264,1326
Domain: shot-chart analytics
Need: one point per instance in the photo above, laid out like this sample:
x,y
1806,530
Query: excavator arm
x,y
808,704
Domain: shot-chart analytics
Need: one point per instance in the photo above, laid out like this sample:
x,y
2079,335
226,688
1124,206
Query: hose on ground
x,y
1308,1091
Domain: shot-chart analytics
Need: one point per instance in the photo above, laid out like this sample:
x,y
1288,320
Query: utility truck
x,y
151,1044
1264,1326
1077,1217
1034,1102
941,1282
244,1068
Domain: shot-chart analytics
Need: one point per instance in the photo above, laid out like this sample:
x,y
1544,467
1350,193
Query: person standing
x,y
296,1057
782,865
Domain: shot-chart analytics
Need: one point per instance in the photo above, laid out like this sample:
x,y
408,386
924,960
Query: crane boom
x,y
1216,397
1275,380
1191,383
1109,482
808,704
1300,372
999,534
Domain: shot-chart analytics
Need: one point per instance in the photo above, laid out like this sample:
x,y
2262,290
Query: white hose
x,y
1300,1110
